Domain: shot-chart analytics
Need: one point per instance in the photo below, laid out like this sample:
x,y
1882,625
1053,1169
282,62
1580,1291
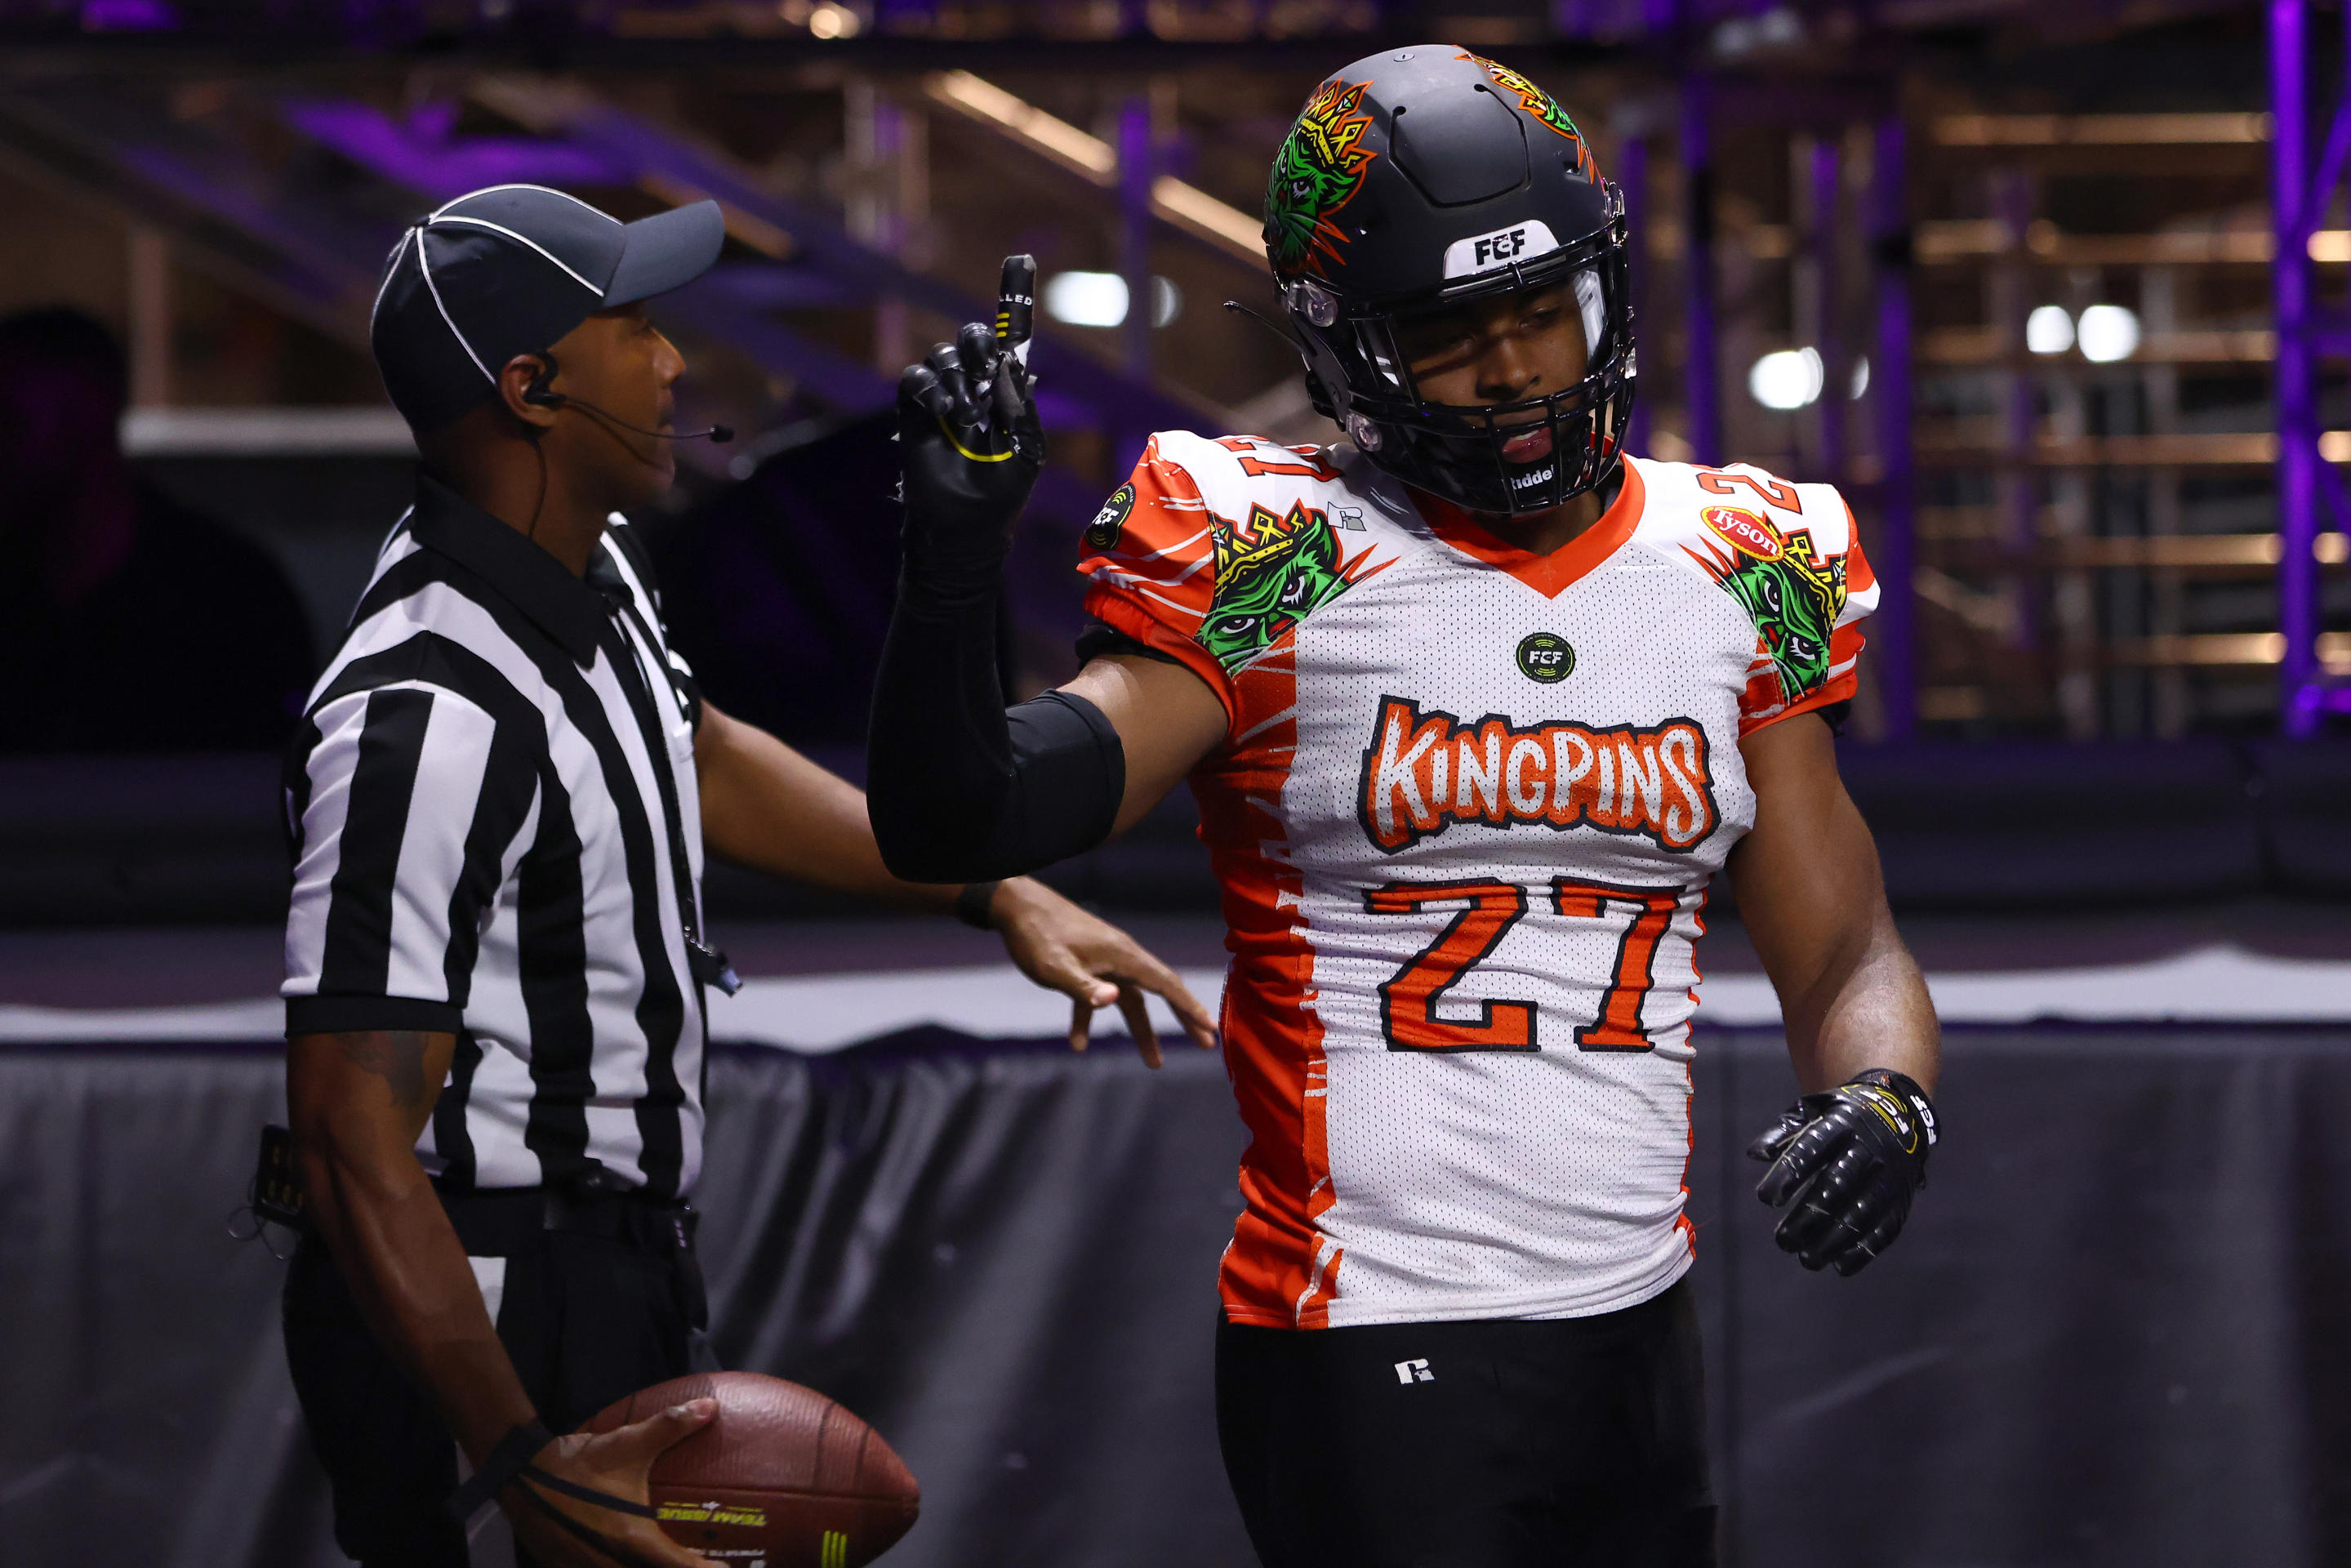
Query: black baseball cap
x,y
508,271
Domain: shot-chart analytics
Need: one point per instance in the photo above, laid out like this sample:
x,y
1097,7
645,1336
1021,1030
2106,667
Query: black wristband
x,y
971,905
512,1456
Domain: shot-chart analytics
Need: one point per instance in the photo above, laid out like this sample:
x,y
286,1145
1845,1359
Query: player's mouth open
x,y
1530,446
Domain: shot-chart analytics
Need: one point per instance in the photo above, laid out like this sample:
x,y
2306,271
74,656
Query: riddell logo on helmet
x,y
1425,771
1491,253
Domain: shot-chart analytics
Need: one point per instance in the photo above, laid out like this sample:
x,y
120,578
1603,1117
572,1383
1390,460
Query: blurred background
x,y
2056,291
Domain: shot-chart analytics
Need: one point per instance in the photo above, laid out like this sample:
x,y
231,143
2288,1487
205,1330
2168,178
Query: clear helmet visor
x,y
1591,305
1497,350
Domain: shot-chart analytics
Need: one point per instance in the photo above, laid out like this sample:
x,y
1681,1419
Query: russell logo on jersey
x,y
1425,770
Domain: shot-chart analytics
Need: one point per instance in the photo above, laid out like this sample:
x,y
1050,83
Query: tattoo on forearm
x,y
397,1056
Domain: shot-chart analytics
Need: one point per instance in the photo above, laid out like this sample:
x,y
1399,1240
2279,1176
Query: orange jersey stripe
x,y
1280,1271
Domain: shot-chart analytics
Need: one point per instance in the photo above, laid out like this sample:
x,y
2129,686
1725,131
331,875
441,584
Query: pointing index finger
x,y
1016,305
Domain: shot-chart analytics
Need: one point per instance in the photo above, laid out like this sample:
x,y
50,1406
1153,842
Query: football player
x,y
1474,707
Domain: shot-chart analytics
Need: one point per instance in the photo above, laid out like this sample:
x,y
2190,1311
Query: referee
x,y
495,965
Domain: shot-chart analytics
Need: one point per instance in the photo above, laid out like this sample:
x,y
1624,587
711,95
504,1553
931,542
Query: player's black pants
x,y
1576,1443
598,1302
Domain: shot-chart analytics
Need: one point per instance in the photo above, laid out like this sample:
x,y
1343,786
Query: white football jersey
x,y
1464,819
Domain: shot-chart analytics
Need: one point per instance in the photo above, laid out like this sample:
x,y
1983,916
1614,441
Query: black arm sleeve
x,y
959,788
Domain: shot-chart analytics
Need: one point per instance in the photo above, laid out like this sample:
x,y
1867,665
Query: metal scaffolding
x,y
1711,81
2307,335
1884,489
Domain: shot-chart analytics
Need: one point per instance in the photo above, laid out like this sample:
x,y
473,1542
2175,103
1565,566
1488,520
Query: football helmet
x,y
1421,181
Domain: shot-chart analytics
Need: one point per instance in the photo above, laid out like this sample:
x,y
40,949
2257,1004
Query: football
x,y
784,1478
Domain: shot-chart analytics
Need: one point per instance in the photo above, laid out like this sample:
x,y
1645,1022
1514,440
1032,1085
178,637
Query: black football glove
x,y
1850,1160
969,442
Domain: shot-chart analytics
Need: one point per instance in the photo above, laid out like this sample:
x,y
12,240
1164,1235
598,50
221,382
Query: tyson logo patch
x,y
1746,532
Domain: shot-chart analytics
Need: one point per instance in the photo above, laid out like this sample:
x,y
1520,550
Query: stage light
x,y
1860,378
831,21
1787,378
1086,298
2108,332
1099,299
2049,330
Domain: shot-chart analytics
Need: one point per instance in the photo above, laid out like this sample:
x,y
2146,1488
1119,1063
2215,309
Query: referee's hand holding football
x,y
358,1102
557,1526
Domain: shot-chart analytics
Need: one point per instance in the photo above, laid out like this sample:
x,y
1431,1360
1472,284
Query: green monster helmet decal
x,y
1318,170
1541,105
1793,597
1271,573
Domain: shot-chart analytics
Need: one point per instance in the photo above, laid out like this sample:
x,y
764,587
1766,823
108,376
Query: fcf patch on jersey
x,y
1104,532
1491,253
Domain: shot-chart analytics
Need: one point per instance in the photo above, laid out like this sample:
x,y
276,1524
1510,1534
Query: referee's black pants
x,y
1569,1442
599,1297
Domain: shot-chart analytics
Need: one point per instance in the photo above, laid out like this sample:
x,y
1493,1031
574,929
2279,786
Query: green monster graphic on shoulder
x,y
1318,170
1272,573
1794,602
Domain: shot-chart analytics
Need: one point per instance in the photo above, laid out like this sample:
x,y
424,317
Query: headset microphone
x,y
548,397
718,435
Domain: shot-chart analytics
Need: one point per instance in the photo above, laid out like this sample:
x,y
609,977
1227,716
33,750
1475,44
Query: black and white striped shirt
x,y
494,810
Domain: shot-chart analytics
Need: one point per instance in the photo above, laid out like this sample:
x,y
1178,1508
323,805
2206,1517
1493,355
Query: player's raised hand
x,y
1095,965
969,440
1845,1165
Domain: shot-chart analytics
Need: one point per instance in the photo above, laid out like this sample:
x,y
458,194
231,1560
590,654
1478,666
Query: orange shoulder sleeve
x,y
1150,566
1765,700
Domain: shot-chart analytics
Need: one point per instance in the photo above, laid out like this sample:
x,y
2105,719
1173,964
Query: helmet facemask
x,y
1359,360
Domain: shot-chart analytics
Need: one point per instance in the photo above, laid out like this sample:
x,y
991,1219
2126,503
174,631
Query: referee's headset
x,y
538,394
